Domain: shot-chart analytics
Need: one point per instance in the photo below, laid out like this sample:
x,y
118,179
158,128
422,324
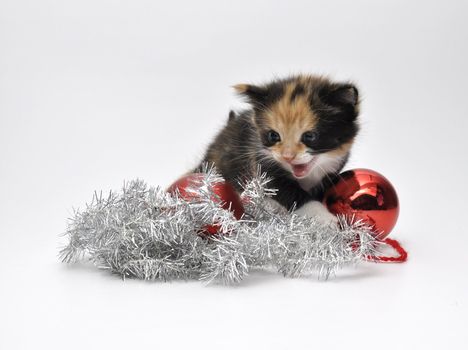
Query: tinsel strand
x,y
147,233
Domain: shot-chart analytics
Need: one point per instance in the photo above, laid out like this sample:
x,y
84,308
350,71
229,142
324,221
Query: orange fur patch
x,y
241,88
291,120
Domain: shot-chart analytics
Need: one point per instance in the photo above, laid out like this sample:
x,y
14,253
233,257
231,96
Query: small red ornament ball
x,y
365,195
226,195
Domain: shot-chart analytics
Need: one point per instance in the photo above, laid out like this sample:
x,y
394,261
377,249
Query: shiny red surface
x,y
366,195
229,198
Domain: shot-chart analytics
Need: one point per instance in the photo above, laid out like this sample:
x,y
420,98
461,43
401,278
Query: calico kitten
x,y
299,130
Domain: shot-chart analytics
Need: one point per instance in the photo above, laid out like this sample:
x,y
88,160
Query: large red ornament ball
x,y
226,195
365,195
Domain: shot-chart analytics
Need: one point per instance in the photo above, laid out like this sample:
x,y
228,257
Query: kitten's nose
x,y
288,157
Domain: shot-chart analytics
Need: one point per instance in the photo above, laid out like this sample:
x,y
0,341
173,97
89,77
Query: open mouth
x,y
301,170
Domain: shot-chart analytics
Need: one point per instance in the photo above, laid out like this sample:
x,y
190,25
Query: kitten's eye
x,y
273,137
309,137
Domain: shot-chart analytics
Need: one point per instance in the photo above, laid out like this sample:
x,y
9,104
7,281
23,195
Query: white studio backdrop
x,y
93,93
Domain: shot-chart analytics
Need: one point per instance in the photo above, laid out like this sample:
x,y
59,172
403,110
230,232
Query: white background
x,y
95,92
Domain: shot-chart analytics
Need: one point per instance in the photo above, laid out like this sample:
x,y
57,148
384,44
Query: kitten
x,y
299,130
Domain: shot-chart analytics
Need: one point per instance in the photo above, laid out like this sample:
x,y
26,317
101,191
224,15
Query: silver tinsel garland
x,y
147,233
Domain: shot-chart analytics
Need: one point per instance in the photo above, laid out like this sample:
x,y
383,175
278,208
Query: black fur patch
x,y
298,91
264,95
232,116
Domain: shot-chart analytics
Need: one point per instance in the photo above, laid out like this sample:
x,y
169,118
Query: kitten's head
x,y
305,123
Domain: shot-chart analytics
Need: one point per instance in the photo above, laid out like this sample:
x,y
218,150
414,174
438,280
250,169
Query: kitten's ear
x,y
256,95
340,95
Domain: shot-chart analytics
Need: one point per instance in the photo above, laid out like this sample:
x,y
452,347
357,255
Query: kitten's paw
x,y
315,209
274,206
